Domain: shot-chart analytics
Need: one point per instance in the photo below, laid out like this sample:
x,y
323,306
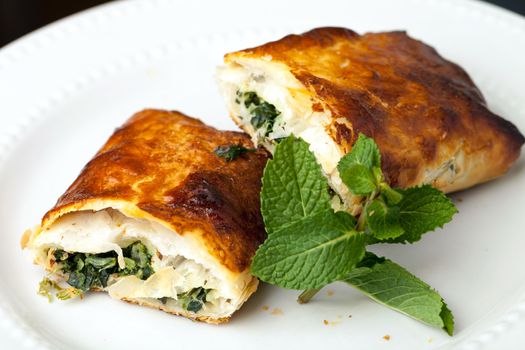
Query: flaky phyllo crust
x,y
160,169
428,118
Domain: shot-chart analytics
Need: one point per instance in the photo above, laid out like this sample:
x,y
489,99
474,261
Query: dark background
x,y
18,17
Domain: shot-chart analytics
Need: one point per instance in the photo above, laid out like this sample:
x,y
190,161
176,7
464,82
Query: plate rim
x,y
82,21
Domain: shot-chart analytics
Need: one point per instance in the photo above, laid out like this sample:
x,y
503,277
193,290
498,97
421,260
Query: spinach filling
x,y
263,113
192,300
87,271
230,152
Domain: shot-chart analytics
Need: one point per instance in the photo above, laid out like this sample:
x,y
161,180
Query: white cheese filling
x,y
177,267
278,87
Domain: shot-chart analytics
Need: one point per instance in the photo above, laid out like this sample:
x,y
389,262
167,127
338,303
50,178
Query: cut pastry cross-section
x,y
157,218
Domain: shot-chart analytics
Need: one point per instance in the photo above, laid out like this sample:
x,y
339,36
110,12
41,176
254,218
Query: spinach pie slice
x,y
327,85
157,218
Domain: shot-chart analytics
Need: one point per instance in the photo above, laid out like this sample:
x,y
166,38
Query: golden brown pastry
x,y
158,219
327,85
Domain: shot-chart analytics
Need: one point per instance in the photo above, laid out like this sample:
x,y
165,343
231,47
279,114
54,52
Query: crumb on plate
x,y
276,311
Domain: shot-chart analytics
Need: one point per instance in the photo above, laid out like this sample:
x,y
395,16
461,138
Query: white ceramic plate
x,y
63,89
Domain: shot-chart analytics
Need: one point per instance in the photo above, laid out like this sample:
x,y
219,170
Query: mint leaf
x,y
391,285
392,196
364,152
294,186
423,209
359,179
383,220
360,169
448,318
310,252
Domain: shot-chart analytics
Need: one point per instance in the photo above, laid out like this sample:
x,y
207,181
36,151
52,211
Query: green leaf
x,y
392,196
101,262
360,169
294,186
69,293
383,220
78,260
395,287
59,255
88,271
193,300
359,179
448,318
78,280
364,152
140,254
263,113
310,252
129,265
231,152
46,286
423,209
250,98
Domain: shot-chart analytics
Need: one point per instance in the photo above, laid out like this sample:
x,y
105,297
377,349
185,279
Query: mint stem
x,y
308,294
362,217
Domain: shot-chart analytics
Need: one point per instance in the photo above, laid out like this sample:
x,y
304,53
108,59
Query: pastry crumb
x,y
332,323
386,337
265,308
276,311
349,316
430,340
330,293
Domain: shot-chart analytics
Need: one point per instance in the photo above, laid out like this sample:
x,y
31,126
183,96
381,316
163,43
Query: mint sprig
x,y
309,245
